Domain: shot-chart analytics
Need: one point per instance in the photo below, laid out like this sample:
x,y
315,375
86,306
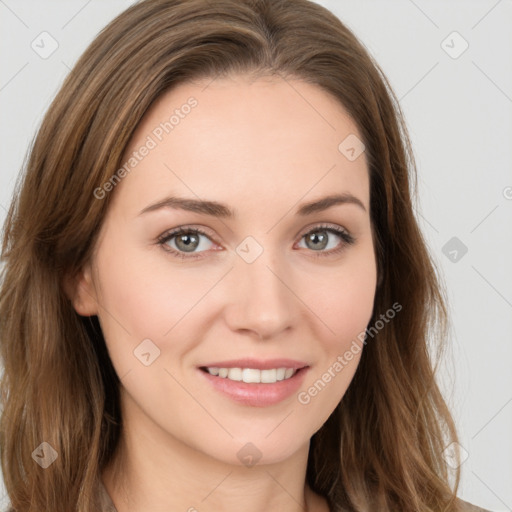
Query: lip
x,y
258,364
256,394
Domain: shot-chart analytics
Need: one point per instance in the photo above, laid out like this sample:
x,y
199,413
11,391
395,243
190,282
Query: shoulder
x,y
469,507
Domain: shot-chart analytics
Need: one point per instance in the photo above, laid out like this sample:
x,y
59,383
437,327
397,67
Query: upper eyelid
x,y
185,229
323,225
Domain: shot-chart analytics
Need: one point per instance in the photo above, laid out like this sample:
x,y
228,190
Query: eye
x,y
184,242
324,237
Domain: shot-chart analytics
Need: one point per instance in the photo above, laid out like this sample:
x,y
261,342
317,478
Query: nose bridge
x,y
262,301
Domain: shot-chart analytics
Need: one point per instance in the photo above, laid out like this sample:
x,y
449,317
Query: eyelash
x,y
166,237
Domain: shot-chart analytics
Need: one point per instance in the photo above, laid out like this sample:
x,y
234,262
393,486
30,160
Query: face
x,y
210,254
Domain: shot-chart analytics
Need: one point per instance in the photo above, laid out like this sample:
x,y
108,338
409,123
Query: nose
x,y
260,297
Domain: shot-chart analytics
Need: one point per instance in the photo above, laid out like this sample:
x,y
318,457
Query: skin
x,y
262,147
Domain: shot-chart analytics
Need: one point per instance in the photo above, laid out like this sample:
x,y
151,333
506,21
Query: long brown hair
x,y
382,447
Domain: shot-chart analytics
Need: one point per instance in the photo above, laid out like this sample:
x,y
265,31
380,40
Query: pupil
x,y
187,239
316,238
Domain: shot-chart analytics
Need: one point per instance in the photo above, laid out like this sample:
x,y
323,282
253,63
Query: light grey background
x,y
458,111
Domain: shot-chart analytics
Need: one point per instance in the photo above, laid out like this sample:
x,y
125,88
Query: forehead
x,y
236,138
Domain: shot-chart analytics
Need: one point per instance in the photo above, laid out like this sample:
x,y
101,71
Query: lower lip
x,y
257,394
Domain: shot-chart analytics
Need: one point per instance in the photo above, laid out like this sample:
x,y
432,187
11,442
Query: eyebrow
x,y
216,209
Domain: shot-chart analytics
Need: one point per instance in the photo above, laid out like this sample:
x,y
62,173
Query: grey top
x,y
108,506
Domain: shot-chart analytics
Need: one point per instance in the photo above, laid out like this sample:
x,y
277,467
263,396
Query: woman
x,y
216,294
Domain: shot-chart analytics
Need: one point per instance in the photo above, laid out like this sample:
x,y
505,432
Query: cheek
x,y
143,299
344,301
344,304
146,295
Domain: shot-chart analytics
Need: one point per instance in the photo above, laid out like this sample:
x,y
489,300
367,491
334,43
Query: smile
x,y
254,387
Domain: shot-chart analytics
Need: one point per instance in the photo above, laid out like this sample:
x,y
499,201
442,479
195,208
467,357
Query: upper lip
x,y
259,364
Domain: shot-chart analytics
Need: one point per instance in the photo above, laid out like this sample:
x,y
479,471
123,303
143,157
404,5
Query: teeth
x,y
252,375
235,374
267,376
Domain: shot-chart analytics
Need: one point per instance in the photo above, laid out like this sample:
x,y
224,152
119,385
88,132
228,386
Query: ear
x,y
80,290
